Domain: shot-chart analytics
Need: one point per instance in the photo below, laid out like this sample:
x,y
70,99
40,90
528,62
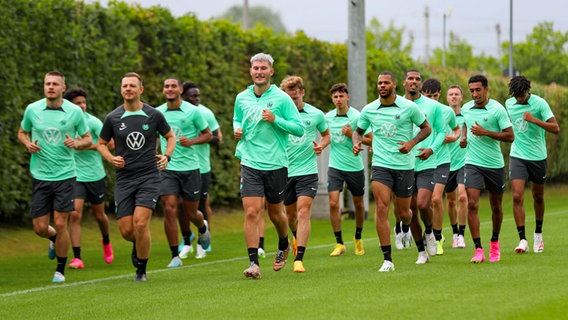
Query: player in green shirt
x,y
90,185
455,188
46,131
531,117
432,89
263,118
344,168
302,184
487,124
392,119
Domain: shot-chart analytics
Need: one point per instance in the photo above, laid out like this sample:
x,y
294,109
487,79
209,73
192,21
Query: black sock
x,y
455,228
538,228
521,232
338,237
428,229
397,227
77,252
174,251
477,243
358,232
106,239
294,233
141,266
203,229
300,255
186,236
53,238
405,228
387,252
420,245
261,242
61,262
461,230
253,255
437,234
495,237
283,243
134,255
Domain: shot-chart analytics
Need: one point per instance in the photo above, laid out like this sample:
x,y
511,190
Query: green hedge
x,y
94,46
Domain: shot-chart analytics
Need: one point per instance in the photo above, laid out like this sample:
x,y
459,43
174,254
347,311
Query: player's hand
x,y
33,147
528,117
162,161
357,148
405,147
184,141
70,142
463,143
478,130
238,134
317,148
425,153
118,162
268,116
346,130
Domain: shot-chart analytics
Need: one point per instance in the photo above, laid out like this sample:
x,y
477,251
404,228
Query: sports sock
x,y
61,262
338,237
253,255
141,266
495,237
203,229
455,228
387,252
405,227
53,238
397,227
77,252
420,245
106,239
283,243
358,232
300,255
477,243
174,251
521,232
428,229
461,230
294,233
261,242
186,236
437,234
538,228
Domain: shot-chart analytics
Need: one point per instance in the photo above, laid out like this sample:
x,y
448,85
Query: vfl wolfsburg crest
x,y
63,122
52,136
397,117
145,126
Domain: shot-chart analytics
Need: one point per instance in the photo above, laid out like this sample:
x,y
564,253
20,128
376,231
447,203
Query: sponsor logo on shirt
x,y
52,136
135,140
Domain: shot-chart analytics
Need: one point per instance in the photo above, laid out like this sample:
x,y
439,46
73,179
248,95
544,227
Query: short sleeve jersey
x,y
187,121
55,161
341,147
530,143
444,156
432,111
300,151
485,151
391,124
204,150
135,135
263,144
457,153
89,162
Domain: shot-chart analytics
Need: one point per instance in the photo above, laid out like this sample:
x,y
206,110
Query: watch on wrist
x,y
168,157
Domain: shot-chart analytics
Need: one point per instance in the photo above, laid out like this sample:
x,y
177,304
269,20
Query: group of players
x,y
420,148
67,145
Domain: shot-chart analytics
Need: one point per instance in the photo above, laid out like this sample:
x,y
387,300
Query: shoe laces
x,y
279,256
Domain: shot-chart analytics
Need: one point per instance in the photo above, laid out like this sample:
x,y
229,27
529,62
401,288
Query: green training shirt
x,y
263,144
341,155
529,143
186,121
55,161
391,124
450,123
204,150
484,151
89,163
300,150
431,110
457,153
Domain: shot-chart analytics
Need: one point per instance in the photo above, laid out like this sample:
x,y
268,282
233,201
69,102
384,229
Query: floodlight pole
x,y
511,38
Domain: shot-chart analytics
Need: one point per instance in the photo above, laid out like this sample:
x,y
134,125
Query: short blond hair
x,y
290,82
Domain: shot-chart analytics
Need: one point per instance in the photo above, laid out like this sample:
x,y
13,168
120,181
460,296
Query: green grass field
x,y
528,286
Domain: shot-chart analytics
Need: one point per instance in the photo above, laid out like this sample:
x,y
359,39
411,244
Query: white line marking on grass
x,y
203,264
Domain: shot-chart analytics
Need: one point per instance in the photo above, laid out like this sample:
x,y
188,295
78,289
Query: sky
x,y
471,20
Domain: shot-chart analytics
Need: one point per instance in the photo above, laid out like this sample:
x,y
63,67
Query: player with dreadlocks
x,y
531,117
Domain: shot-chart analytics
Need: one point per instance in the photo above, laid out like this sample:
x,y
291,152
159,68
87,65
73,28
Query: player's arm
x,y
204,137
424,132
550,125
216,137
506,135
103,149
24,138
84,142
357,140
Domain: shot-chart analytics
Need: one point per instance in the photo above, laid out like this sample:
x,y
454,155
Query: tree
x,y
257,14
387,39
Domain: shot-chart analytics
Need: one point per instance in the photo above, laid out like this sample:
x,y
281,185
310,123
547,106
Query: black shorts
x,y
93,191
534,171
300,186
476,177
205,185
263,183
142,191
48,196
424,180
355,181
401,182
181,183
456,177
441,174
